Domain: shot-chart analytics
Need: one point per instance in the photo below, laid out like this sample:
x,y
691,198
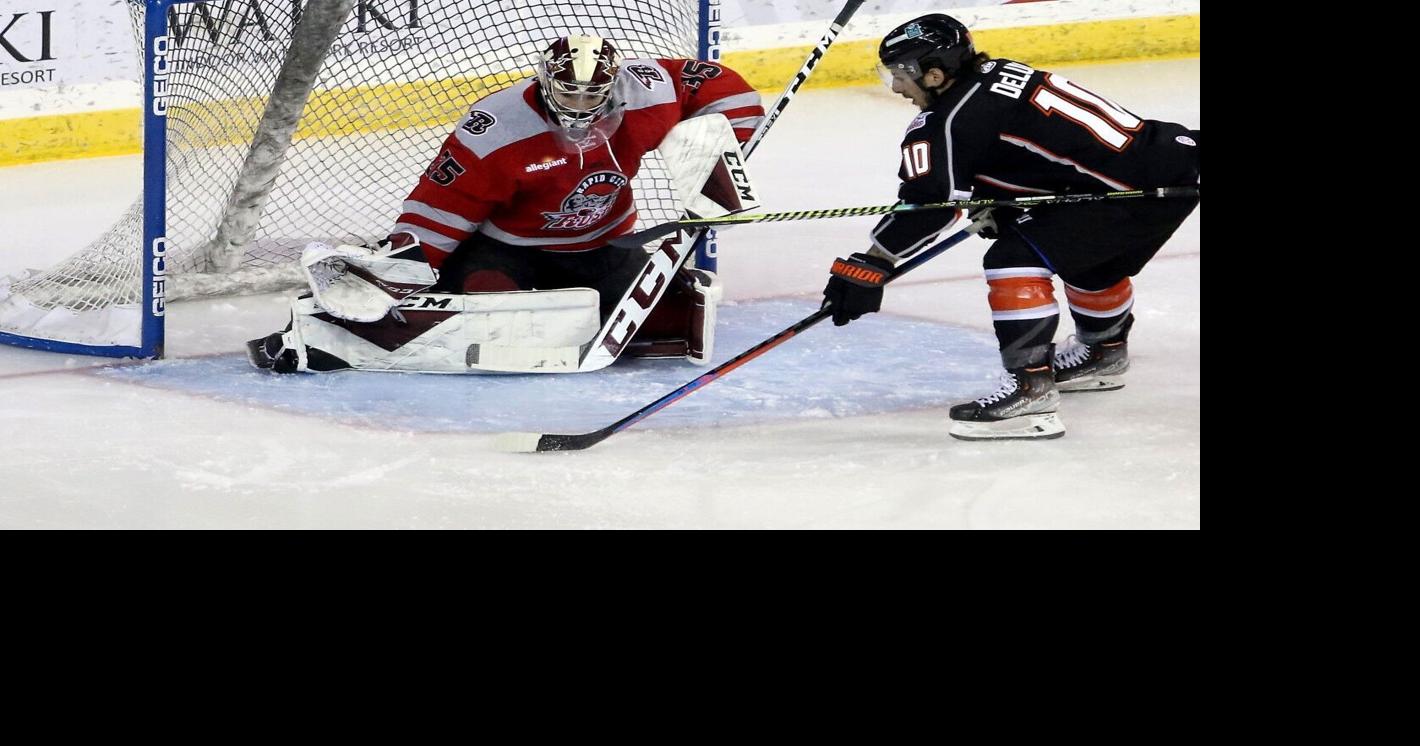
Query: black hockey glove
x,y
855,287
997,219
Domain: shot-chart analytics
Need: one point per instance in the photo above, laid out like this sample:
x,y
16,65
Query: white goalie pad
x,y
534,331
706,292
707,167
358,283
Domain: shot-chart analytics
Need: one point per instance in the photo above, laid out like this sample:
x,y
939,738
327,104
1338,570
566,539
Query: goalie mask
x,y
577,75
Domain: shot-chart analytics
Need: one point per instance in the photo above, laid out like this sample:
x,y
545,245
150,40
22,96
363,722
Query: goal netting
x,y
289,121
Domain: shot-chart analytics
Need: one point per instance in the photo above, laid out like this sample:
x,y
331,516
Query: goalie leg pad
x,y
706,292
515,332
683,323
489,281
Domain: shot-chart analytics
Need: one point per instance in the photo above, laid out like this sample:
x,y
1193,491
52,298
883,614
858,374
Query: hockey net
x,y
382,88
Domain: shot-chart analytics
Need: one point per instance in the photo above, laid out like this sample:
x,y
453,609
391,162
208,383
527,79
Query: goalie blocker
x,y
666,310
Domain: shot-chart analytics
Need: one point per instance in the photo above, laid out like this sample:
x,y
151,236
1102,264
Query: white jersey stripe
x,y
738,101
910,250
1052,157
1116,311
1012,187
427,237
442,217
1001,274
962,191
1025,314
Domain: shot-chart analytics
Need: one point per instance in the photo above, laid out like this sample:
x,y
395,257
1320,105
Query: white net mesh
x,y
398,76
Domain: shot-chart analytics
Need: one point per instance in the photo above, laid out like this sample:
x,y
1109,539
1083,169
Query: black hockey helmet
x,y
931,41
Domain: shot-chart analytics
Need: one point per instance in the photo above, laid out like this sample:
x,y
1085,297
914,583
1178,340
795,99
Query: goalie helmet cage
x,y
268,124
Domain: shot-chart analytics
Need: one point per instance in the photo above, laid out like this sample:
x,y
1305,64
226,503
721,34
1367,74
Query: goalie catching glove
x,y
359,283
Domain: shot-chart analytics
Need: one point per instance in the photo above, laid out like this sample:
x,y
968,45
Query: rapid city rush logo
x,y
588,204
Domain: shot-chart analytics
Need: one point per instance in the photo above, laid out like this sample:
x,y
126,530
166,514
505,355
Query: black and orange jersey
x,y
1005,129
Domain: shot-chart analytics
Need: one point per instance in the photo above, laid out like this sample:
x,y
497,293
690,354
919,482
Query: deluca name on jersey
x,y
588,203
1012,79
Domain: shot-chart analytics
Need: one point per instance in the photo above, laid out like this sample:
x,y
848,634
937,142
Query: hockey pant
x,y
1094,248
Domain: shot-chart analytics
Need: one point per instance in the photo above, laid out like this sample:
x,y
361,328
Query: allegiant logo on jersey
x,y
588,204
545,165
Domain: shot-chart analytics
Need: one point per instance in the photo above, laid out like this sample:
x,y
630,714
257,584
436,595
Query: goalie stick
x,y
540,442
643,295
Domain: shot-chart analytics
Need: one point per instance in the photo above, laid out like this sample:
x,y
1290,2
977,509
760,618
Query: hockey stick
x,y
539,442
668,258
834,29
664,229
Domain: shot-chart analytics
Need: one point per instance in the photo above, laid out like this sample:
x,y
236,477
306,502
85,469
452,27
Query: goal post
x,y
268,124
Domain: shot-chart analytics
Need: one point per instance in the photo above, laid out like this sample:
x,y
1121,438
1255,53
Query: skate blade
x,y
1091,383
1026,427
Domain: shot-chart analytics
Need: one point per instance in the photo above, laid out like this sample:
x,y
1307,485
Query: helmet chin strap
x,y
594,138
599,141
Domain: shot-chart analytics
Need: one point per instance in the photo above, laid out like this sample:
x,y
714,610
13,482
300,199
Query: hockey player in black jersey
x,y
998,128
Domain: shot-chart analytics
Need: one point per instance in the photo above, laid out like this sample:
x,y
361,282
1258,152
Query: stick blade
x,y
544,442
517,442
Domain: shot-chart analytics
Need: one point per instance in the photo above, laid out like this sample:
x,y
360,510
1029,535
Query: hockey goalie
x,y
500,261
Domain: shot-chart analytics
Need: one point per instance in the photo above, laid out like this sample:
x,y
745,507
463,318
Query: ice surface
x,y
839,428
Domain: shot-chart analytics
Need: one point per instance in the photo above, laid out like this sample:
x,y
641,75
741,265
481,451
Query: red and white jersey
x,y
504,173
